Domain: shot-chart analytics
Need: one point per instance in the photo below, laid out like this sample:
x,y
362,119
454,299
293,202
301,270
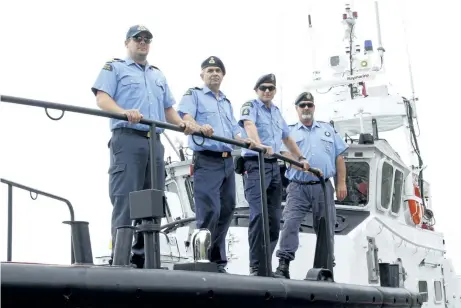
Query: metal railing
x,y
150,225
37,192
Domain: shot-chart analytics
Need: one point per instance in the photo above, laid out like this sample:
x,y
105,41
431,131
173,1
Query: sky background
x,y
53,51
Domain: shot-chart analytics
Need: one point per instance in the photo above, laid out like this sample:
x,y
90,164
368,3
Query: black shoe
x,y
137,261
283,270
254,272
222,269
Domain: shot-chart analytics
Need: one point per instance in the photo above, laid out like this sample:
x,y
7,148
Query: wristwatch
x,y
300,158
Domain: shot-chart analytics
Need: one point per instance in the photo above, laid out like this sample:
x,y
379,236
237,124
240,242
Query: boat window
x,y
189,186
386,185
438,290
422,287
357,181
397,195
189,183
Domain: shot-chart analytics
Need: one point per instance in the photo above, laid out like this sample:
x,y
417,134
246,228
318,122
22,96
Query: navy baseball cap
x,y
135,30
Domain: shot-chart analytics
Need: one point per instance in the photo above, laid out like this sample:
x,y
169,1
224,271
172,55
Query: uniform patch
x,y
107,67
245,111
327,134
188,92
248,104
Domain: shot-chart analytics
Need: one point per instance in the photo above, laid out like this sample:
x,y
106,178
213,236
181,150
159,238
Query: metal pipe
x,y
113,115
12,184
81,241
10,223
265,259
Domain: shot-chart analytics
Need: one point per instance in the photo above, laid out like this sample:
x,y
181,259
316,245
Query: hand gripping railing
x,y
37,192
151,215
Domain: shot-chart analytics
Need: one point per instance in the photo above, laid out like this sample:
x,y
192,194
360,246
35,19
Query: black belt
x,y
214,154
308,182
138,132
255,158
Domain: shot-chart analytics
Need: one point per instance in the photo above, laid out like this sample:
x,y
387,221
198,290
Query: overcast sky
x,y
53,51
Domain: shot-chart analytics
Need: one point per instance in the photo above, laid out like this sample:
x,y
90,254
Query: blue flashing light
x,y
368,45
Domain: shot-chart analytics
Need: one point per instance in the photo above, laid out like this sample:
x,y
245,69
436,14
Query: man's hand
x,y
189,127
207,130
318,170
305,167
341,191
251,143
269,150
134,116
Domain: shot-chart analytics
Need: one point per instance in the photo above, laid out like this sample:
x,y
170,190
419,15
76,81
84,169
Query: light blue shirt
x,y
205,108
133,87
269,122
320,145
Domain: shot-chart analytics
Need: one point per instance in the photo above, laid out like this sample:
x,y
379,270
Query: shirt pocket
x,y
327,143
206,114
132,86
160,89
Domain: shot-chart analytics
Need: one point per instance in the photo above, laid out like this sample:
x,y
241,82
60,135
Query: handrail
x,y
106,114
151,236
31,190
404,238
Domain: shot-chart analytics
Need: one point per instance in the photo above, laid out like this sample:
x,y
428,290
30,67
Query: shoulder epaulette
x,y
248,104
328,124
115,60
108,65
189,91
153,66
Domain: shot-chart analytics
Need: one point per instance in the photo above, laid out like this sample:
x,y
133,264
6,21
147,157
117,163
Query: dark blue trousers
x,y
274,204
302,200
130,171
214,196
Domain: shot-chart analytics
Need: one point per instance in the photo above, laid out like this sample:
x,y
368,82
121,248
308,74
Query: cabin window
x,y
397,194
422,287
189,183
357,182
386,185
189,186
438,290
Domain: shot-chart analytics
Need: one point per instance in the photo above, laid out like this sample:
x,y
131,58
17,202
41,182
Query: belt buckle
x,y
224,154
148,134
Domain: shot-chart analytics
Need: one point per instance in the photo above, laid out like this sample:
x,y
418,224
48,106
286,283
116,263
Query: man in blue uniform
x,y
322,146
263,122
214,177
138,90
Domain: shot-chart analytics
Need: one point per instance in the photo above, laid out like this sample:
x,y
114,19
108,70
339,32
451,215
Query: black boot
x,y
283,270
253,270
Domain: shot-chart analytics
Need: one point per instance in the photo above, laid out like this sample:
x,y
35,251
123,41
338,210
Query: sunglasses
x,y
264,88
139,39
303,105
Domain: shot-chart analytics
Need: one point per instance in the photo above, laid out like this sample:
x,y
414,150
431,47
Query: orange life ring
x,y
415,207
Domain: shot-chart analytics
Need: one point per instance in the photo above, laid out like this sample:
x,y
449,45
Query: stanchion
x,y
265,263
81,242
